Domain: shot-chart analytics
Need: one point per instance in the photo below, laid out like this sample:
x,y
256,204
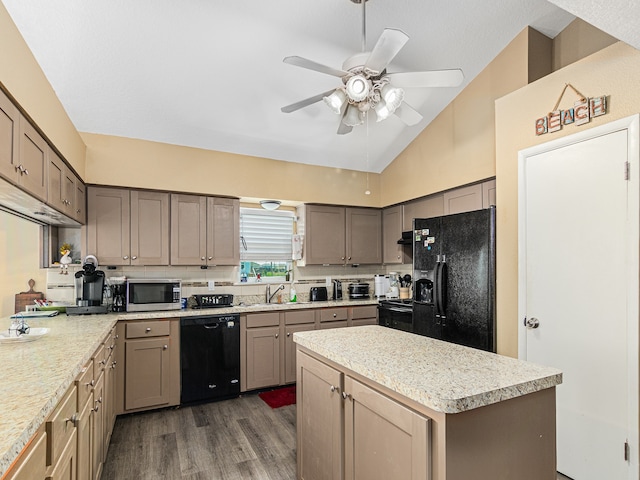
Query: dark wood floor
x,y
234,439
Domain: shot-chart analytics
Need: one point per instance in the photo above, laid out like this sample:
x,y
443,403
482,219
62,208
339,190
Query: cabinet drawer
x,y
367,311
99,361
60,426
302,316
31,464
160,328
263,319
84,383
333,314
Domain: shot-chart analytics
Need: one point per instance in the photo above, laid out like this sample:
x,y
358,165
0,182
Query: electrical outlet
x,y
212,285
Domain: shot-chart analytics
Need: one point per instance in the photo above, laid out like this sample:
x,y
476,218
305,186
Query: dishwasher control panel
x,y
213,300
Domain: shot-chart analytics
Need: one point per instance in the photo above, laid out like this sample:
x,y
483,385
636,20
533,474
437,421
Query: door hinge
x,y
626,451
627,171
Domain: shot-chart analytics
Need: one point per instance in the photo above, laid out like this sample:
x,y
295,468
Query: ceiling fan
x,y
368,86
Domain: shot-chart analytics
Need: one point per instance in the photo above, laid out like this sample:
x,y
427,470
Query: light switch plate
x,y
212,285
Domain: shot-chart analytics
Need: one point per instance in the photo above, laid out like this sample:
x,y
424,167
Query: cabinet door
x,y
290,350
432,206
263,357
149,228
32,463
320,421
97,429
365,315
80,202
147,372
364,235
108,225
223,231
56,175
9,138
325,235
66,468
85,423
378,429
188,230
464,199
68,191
34,158
393,253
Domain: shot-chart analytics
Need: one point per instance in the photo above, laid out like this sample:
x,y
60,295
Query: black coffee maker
x,y
89,289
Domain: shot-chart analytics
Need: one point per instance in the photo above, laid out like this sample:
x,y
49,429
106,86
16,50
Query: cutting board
x,y
27,298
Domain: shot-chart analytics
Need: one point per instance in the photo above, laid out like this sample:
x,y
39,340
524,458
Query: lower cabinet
x,y
148,354
268,352
66,468
32,464
380,437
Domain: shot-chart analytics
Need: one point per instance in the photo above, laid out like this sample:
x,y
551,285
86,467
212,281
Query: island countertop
x,y
442,376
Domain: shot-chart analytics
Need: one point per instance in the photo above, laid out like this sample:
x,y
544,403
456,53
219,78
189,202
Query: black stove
x,y
396,313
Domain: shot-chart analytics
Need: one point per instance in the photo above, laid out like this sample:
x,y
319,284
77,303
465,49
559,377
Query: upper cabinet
x,y
65,191
34,160
128,227
473,197
339,235
392,252
432,206
9,138
204,230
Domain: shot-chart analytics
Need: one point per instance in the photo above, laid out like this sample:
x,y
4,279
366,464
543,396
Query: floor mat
x,y
279,397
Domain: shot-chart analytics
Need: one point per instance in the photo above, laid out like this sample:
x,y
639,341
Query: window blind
x,y
265,235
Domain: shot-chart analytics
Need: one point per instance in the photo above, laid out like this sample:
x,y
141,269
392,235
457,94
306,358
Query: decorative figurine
x,y
65,251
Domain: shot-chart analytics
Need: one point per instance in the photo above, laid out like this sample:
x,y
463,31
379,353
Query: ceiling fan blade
x,y
343,129
408,114
433,78
388,45
306,102
311,65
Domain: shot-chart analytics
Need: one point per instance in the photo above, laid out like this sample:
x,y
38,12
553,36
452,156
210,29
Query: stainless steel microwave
x,y
151,294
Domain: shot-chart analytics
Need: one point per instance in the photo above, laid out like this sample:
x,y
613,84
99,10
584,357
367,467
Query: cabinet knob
x,y
134,257
96,406
335,315
78,212
25,171
346,395
341,258
113,365
126,257
210,258
334,389
398,257
349,258
202,258
277,335
117,336
91,383
164,347
148,329
288,334
73,419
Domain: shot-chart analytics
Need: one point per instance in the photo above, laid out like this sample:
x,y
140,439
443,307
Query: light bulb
x,y
358,88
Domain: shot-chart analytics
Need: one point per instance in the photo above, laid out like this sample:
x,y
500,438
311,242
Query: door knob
x,y
531,322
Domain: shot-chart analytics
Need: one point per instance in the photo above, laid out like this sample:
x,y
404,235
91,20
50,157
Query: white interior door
x,y
579,280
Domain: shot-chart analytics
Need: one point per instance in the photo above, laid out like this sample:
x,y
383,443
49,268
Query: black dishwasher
x,y
209,357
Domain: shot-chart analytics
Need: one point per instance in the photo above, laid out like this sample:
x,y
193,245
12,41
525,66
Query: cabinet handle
x,y
134,257
346,396
164,347
126,257
92,383
148,329
73,419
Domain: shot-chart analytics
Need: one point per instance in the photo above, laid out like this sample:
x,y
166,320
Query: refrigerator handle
x,y
442,291
436,289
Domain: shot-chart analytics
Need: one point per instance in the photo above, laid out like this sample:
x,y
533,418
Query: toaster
x,y
318,294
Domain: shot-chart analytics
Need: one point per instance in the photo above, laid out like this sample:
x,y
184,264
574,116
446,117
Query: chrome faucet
x,y
268,295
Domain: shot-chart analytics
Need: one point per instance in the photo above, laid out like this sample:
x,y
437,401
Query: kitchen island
x,y
379,403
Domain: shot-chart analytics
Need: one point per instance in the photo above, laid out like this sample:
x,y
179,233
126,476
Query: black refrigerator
x,y
454,260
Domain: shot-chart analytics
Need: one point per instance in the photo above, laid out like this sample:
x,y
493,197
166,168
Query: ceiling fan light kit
x,y
367,85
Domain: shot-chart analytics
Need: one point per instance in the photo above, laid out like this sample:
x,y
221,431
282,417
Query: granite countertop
x,y
442,376
35,375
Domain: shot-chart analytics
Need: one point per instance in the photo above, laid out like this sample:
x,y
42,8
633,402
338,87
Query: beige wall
x,y
23,78
458,147
614,72
578,40
143,164
19,247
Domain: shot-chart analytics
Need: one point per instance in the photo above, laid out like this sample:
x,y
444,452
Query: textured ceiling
x,y
209,73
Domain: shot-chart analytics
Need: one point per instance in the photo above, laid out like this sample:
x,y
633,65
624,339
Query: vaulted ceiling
x,y
209,74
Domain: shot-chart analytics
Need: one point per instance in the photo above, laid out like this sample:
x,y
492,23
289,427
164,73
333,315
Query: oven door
x,y
398,317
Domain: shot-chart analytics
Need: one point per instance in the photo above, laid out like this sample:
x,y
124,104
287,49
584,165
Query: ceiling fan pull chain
x,y
364,25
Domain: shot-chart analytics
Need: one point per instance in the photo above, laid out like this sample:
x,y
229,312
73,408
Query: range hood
x,y
407,238
20,203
